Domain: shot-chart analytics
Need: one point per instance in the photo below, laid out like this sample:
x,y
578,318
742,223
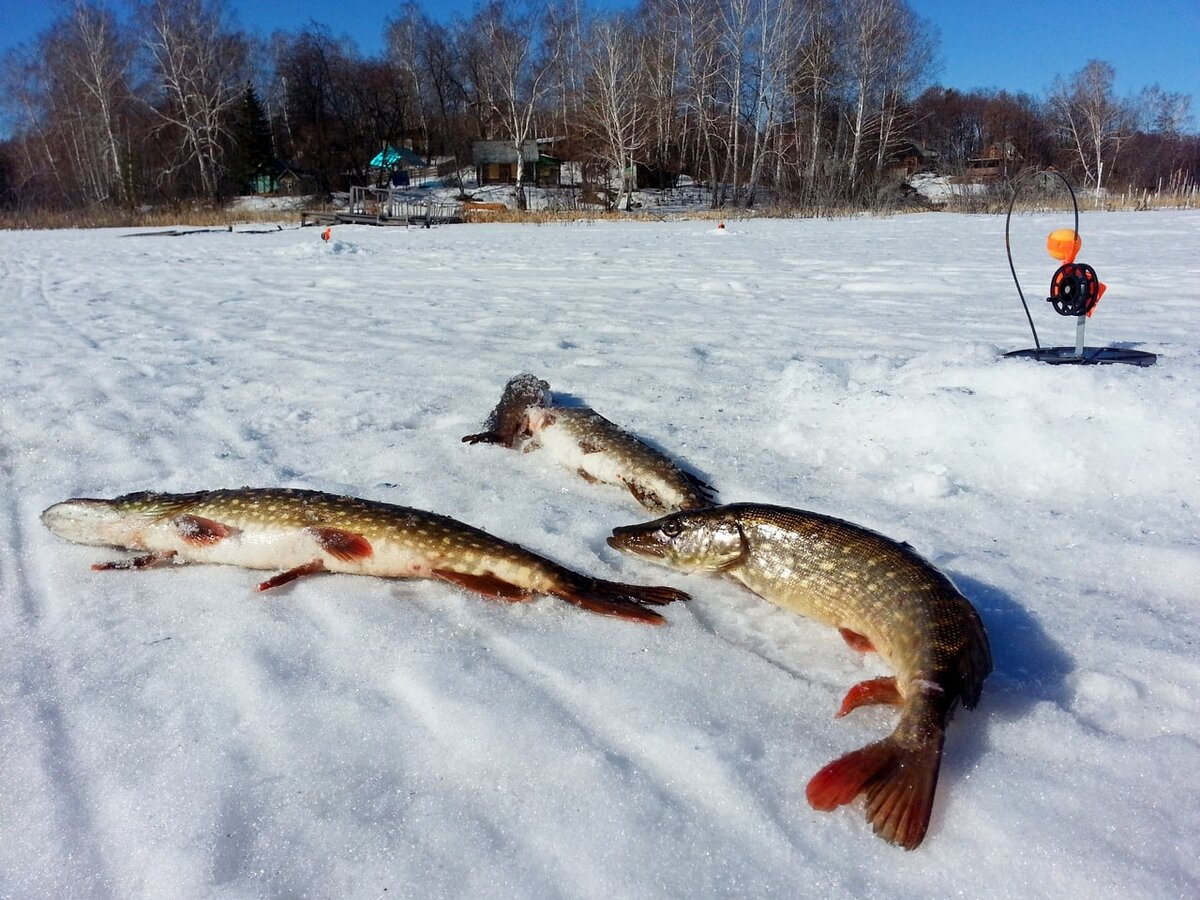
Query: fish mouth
x,y
82,520
636,540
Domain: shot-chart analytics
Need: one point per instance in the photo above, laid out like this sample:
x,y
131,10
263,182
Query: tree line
x,y
808,101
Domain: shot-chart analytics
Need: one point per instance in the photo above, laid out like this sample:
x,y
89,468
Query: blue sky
x,y
1018,45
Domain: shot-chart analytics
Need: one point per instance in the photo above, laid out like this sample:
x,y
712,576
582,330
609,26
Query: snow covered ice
x,y
173,733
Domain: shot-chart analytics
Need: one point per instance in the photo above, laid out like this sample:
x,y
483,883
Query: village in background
x,y
721,107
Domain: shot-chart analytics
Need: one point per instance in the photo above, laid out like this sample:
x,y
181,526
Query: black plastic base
x,y
1092,356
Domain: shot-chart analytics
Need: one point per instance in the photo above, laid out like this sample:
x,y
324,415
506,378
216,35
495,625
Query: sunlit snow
x,y
171,733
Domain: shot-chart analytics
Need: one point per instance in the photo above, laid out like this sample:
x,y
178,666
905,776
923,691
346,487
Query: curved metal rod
x,y
1017,185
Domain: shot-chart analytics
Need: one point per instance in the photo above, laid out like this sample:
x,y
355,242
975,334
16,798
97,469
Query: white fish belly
x,y
282,548
604,465
560,444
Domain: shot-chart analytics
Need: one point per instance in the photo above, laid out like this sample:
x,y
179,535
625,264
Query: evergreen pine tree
x,y
252,152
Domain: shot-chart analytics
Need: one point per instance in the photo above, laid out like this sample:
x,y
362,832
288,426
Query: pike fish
x,y
882,596
305,532
597,449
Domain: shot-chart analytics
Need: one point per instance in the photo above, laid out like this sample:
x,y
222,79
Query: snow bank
x,y
171,733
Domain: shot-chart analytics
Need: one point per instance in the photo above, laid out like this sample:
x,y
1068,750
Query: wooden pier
x,y
387,206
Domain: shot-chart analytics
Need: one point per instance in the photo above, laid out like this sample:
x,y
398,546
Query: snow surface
x,y
170,733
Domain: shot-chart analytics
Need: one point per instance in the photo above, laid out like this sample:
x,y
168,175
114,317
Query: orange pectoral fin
x,y
348,546
870,693
488,585
858,642
309,568
201,532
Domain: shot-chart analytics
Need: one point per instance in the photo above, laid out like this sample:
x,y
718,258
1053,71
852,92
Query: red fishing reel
x,y
1075,290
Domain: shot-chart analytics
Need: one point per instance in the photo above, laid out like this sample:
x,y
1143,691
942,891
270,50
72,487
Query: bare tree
x,y
199,63
1163,112
875,37
404,37
26,96
662,50
441,60
775,40
70,93
1093,122
906,59
817,73
93,58
615,109
702,60
565,23
514,59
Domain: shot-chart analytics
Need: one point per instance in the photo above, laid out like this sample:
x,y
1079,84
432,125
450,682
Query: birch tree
x,y
199,64
565,24
817,73
615,107
867,37
92,58
1092,121
661,50
701,68
905,60
68,92
404,35
774,47
515,60
25,95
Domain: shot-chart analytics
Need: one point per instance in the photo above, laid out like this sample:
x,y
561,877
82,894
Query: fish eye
x,y
672,528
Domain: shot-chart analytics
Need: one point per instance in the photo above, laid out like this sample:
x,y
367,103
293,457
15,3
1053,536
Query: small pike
x,y
882,596
306,532
598,450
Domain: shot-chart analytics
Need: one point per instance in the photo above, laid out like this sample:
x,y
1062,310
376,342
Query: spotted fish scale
x,y
597,449
306,532
882,596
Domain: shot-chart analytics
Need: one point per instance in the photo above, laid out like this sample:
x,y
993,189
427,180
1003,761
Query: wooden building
x,y
496,161
996,161
281,178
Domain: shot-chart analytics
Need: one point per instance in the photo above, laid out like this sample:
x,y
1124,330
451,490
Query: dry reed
x,y
1183,196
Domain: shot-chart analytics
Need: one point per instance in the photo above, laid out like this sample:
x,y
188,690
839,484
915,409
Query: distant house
x,y
282,178
496,161
995,162
909,157
549,170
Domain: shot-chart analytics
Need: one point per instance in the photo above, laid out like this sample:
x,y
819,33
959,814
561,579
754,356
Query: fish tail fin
x,y
898,781
625,601
701,494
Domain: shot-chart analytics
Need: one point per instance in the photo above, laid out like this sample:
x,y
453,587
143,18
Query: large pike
x,y
581,439
882,596
306,532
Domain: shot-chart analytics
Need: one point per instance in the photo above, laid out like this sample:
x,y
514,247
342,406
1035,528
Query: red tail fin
x,y
898,781
611,598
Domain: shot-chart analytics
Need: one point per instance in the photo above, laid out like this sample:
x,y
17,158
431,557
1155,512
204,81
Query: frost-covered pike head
x,y
107,523
702,540
509,420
